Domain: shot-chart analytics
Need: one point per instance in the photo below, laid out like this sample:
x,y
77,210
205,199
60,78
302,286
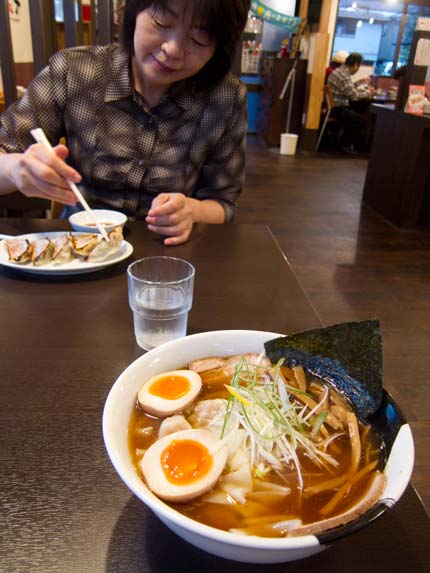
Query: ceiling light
x,y
359,23
354,5
371,20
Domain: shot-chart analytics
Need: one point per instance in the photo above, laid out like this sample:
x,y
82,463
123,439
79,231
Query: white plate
x,y
75,267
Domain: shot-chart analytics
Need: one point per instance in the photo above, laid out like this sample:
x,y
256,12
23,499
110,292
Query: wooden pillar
x,y
303,10
93,25
69,23
6,56
80,25
42,21
323,42
317,80
104,21
322,46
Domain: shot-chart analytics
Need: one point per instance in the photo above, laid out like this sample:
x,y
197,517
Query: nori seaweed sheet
x,y
347,356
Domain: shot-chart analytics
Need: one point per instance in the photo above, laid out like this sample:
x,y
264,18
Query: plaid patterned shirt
x,y
343,89
190,143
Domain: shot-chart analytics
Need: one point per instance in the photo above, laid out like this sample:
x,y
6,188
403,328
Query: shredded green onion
x,y
276,423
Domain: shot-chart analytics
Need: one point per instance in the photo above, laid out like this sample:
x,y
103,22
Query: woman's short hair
x,y
354,58
224,20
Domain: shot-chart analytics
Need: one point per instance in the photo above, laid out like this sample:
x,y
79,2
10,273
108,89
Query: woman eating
x,y
154,127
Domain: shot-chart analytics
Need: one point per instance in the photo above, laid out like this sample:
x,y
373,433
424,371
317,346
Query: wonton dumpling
x,y
173,424
238,481
209,415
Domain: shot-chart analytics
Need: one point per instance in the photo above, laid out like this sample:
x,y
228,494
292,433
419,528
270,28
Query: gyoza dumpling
x,y
106,248
18,250
83,245
62,249
41,252
116,237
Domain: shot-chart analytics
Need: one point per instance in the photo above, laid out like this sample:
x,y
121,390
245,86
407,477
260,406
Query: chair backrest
x,y
328,97
55,210
45,34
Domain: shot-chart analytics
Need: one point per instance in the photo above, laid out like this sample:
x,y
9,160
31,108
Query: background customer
x,y
351,122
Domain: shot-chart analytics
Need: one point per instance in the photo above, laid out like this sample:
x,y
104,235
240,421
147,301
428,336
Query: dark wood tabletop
x,y
65,340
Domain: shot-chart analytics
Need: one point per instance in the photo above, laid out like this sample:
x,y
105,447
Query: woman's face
x,y
168,47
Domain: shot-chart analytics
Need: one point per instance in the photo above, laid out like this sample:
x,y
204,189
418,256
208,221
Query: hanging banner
x,y
289,23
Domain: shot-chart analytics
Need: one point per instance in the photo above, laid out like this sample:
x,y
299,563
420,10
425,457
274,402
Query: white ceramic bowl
x,y
177,353
83,223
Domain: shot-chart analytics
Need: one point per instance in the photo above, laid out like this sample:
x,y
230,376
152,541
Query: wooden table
x,y
64,341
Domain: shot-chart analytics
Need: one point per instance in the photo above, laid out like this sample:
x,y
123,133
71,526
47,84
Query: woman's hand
x,y
40,173
171,215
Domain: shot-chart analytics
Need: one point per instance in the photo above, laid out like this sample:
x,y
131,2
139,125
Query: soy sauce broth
x,y
143,431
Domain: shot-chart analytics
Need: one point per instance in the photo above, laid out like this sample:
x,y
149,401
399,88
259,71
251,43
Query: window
x,y
346,27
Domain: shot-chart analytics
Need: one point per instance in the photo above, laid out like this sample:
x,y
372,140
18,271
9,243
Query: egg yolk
x,y
185,461
170,387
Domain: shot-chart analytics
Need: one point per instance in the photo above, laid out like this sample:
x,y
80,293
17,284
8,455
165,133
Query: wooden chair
x,y
328,106
55,210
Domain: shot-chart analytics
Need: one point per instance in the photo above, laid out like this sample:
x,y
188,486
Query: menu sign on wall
x,y
423,24
422,53
416,100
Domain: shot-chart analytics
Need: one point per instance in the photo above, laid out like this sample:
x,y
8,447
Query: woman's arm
x,y
24,165
220,182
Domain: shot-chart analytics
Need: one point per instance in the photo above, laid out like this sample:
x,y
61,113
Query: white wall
x,y
21,35
273,35
284,6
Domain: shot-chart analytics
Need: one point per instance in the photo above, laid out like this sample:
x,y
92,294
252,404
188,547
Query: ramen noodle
x,y
246,446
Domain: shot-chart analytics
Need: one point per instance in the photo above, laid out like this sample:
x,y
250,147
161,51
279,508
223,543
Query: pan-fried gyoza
x,y
60,250
262,449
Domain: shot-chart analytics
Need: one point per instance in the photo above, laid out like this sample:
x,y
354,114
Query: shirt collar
x,y
182,94
119,86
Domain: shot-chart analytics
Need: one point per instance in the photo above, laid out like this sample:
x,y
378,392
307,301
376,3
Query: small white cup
x,y
160,293
288,143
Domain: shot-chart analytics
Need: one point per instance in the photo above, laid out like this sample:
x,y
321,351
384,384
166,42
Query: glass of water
x,y
160,293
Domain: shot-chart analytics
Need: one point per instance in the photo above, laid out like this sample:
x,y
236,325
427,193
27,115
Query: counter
x,y
397,179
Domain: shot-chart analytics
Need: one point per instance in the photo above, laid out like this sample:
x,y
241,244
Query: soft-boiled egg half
x,y
184,465
169,393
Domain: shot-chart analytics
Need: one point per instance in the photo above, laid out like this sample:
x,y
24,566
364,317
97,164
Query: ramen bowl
x,y
121,401
83,223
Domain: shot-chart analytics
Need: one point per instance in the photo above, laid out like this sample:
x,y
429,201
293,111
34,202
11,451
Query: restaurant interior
x,y
352,230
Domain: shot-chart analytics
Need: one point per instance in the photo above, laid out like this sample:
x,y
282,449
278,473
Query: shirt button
x,y
140,162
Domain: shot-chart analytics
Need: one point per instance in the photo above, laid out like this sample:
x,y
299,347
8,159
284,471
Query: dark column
x,y
6,56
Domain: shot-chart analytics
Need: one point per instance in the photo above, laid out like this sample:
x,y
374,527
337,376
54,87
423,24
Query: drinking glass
x,y
160,293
